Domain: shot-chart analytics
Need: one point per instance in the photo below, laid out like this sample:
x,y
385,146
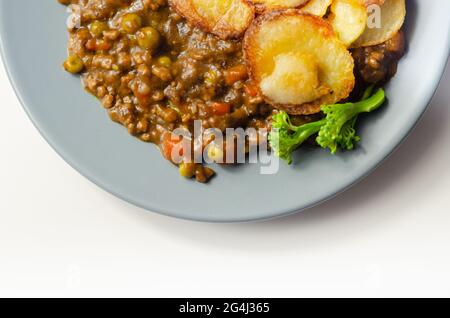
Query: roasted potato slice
x,y
349,19
224,18
316,7
392,15
269,5
297,61
370,2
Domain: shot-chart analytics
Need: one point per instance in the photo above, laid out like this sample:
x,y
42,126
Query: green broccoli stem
x,y
286,138
368,91
369,104
349,110
303,132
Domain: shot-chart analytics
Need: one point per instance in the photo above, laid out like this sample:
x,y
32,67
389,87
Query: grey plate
x,y
33,42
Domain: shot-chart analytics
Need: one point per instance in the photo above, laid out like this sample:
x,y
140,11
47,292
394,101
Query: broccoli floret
x,y
337,129
286,137
348,137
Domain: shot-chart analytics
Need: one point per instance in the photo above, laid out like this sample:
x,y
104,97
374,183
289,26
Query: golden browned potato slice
x,y
349,19
225,18
268,5
316,7
370,2
297,61
383,23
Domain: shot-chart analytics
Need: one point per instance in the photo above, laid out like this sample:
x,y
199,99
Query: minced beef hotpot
x,y
154,72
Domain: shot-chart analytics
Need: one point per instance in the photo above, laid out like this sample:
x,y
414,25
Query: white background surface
x,y
60,235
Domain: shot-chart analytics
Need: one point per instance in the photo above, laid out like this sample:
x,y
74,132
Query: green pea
x,y
187,170
131,22
73,64
164,61
148,38
97,28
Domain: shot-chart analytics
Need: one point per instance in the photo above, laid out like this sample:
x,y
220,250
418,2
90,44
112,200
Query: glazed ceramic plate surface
x,y
33,45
